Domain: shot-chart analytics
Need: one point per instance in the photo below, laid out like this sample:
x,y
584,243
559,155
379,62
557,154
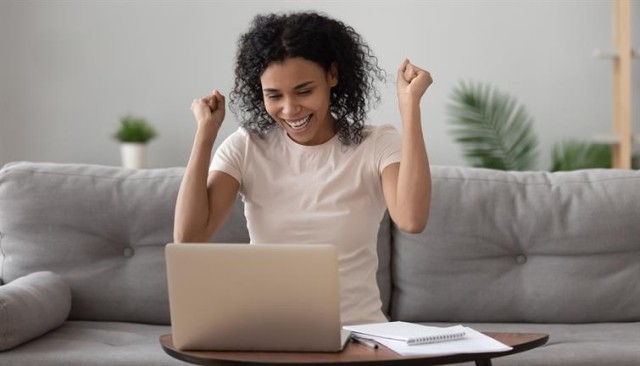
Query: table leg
x,y
483,362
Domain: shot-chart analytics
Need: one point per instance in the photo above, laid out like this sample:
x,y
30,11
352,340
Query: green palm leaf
x,y
574,155
494,130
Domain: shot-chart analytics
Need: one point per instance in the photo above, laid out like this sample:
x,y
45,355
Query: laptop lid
x,y
266,297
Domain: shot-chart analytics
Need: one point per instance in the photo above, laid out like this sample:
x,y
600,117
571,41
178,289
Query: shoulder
x,y
247,142
234,146
239,136
386,129
385,144
374,134
242,137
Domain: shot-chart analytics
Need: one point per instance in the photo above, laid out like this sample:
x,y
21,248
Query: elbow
x,y
179,231
179,237
412,228
184,238
187,232
412,218
413,225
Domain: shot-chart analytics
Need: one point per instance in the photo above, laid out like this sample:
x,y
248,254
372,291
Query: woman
x,y
307,167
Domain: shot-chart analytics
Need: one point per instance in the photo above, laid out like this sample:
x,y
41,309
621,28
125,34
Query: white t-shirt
x,y
329,193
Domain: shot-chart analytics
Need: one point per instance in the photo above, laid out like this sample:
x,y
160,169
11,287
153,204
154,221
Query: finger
x,y
402,69
195,103
410,73
220,100
209,101
428,76
403,65
213,98
217,95
212,103
422,73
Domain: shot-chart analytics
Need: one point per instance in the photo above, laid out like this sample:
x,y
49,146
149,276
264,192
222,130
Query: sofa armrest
x,y
32,305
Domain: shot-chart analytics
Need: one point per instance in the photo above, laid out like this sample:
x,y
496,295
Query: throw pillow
x,y
32,305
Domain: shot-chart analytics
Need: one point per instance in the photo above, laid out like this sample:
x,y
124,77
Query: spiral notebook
x,y
411,333
472,342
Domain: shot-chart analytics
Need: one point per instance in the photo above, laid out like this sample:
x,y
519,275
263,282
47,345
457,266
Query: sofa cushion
x,y
30,306
611,344
80,343
383,275
523,247
115,344
103,229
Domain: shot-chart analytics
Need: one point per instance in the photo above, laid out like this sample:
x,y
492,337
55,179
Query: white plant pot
x,y
134,155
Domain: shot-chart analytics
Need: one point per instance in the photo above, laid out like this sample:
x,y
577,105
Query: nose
x,y
290,107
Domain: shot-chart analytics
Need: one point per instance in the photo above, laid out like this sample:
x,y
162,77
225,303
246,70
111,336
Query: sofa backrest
x,y
523,247
500,246
103,229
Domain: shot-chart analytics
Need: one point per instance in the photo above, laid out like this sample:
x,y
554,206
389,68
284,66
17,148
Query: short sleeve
x,y
388,146
229,157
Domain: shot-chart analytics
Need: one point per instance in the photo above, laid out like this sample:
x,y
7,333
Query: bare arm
x,y
407,185
204,199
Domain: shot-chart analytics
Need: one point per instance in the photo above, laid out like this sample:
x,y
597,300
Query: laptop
x,y
258,297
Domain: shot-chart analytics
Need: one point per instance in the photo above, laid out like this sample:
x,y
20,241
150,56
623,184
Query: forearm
x,y
192,206
409,185
413,194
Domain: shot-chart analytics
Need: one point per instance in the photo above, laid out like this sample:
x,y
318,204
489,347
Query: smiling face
x,y
296,95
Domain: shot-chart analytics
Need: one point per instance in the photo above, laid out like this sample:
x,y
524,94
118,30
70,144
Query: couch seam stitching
x,y
88,175
5,335
4,257
392,284
559,184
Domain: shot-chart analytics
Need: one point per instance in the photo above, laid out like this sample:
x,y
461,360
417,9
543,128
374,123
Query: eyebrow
x,y
297,87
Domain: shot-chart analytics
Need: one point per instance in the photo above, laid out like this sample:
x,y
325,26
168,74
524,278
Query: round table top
x,y
353,353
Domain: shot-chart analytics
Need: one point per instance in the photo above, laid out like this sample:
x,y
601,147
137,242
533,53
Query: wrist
x,y
409,108
407,100
206,134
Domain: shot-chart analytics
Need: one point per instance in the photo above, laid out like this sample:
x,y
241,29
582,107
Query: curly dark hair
x,y
317,38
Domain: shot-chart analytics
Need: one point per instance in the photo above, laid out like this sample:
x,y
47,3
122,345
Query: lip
x,y
298,118
302,127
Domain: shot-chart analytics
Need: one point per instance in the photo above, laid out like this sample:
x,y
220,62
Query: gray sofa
x,y
83,273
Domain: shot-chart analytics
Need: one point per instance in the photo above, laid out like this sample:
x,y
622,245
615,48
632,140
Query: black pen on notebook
x,y
365,342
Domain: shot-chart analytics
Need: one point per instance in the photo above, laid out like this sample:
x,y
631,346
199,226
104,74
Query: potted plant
x,y
494,129
496,132
134,134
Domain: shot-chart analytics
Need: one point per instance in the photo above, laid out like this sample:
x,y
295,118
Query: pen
x,y
366,342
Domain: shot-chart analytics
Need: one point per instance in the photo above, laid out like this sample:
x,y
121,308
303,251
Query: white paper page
x,y
473,342
403,331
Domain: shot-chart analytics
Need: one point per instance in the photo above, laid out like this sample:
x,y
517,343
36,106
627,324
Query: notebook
x,y
473,342
259,297
411,333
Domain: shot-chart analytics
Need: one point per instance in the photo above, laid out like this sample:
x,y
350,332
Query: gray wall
x,y
70,69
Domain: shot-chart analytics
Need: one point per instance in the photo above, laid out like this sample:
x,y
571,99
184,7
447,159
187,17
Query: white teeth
x,y
298,124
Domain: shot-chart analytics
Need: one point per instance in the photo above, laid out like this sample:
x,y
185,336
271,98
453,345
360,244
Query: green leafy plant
x,y
495,131
134,129
574,155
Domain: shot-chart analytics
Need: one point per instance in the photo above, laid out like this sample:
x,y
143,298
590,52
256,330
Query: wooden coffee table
x,y
353,353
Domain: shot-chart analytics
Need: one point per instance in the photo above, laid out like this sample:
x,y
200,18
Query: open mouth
x,y
299,124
